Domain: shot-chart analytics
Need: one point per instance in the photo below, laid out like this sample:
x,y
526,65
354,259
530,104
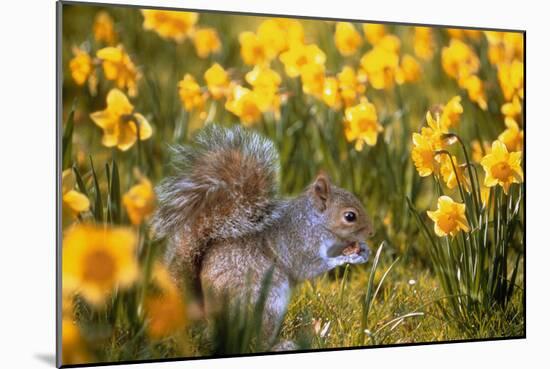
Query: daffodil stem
x,y
475,186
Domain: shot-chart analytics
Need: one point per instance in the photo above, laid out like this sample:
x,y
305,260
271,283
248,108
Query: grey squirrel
x,y
227,227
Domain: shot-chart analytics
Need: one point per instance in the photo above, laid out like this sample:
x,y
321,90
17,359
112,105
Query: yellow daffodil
x,y
206,42
104,28
118,67
485,192
374,32
164,306
350,85
277,35
298,56
390,42
347,38
74,202
331,94
380,66
425,144
478,152
245,104
265,82
510,77
176,25
448,174
98,260
451,113
459,60
139,201
190,93
502,167
217,81
361,125
449,218
461,34
120,123
512,136
424,44
81,66
253,51
313,79
503,47
74,350
476,92
409,71
511,109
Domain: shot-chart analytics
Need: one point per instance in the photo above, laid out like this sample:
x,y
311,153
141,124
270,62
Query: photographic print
x,y
239,184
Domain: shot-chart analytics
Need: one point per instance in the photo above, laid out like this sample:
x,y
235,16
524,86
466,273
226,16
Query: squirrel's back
x,y
224,186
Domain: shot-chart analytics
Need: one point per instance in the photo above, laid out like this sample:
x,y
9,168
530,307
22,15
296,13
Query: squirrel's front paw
x,y
362,256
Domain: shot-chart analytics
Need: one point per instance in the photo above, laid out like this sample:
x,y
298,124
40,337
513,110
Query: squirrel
x,y
227,227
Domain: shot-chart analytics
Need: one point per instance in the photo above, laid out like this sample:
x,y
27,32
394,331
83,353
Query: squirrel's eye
x,y
350,216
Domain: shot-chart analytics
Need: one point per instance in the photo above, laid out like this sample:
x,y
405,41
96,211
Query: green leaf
x,y
67,139
98,204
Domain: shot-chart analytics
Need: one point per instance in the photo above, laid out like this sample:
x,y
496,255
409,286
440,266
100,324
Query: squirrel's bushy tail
x,y
224,186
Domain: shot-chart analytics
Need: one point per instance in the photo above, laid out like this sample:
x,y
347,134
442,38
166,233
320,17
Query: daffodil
x,y
511,109
245,104
449,218
120,123
502,167
510,78
98,260
139,201
409,70
299,56
512,136
476,92
390,42
461,34
190,93
253,51
448,174
81,66
74,202
331,94
347,38
374,32
104,28
361,125
217,81
118,67
503,47
459,60
176,25
380,65
478,152
425,144
265,82
206,42
277,35
451,113
424,44
164,307
313,79
350,85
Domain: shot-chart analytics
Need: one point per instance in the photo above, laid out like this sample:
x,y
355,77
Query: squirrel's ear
x,y
320,191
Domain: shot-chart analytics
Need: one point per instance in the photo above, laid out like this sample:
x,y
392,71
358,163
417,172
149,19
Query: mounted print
x,y
237,184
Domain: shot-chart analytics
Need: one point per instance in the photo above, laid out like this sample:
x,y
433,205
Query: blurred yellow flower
x,y
451,113
459,60
424,44
164,305
331,94
350,85
139,201
374,32
510,77
245,104
104,28
347,38
118,67
190,93
313,79
81,66
277,35
298,56
511,109
176,25
504,46
476,92
74,202
449,218
390,42
380,65
253,51
502,167
217,81
460,33
120,123
409,71
265,82
98,260
206,42
425,144
448,174
478,152
361,124
74,349
512,136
